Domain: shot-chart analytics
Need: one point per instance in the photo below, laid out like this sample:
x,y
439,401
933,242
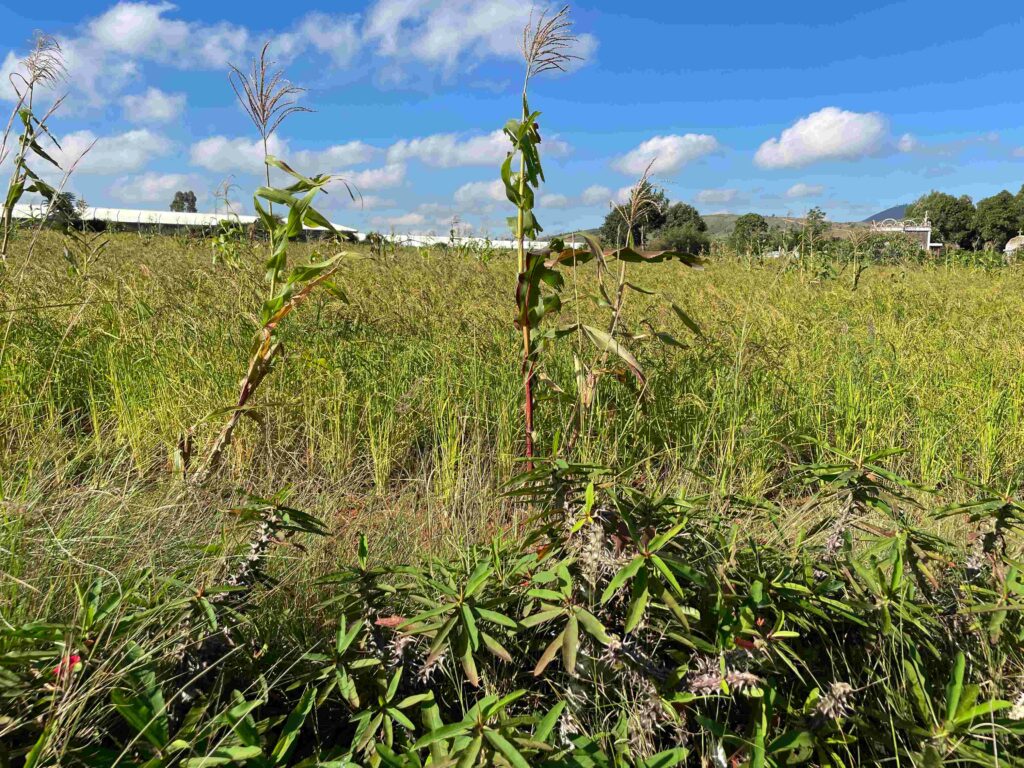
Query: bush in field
x,y
686,238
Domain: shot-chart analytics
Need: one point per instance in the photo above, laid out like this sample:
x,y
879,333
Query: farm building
x,y
131,220
922,232
167,222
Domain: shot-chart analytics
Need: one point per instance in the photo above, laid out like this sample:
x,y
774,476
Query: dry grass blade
x,y
548,42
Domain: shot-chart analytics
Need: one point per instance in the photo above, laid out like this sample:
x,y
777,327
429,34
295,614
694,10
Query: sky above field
x,y
771,107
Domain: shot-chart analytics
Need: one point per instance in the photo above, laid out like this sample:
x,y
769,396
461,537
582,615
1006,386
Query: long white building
x,y
131,218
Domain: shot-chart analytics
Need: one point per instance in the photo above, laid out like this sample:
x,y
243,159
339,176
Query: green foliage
x,y
616,628
686,238
615,231
953,218
999,218
184,202
681,215
750,233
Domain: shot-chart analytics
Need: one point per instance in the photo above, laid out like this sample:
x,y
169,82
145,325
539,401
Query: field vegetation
x,y
269,502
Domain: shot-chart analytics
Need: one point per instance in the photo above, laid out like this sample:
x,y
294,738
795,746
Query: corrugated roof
x,y
162,218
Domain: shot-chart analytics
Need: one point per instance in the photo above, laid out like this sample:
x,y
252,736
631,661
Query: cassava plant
x,y
43,67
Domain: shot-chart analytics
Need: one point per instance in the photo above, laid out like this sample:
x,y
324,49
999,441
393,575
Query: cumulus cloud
x,y
143,30
153,106
449,150
907,143
480,195
335,157
555,201
402,221
365,202
716,196
596,195
110,155
335,36
449,32
385,177
153,187
829,134
801,190
666,154
226,155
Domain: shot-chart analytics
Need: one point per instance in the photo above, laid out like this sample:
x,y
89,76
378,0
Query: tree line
x,y
958,223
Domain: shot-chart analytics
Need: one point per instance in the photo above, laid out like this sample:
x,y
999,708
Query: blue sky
x,y
771,107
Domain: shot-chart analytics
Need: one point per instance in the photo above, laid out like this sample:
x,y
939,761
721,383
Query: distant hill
x,y
896,212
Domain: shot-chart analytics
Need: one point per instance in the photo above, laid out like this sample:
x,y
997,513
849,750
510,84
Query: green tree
x,y
613,230
998,219
681,216
65,210
749,232
686,238
952,218
184,202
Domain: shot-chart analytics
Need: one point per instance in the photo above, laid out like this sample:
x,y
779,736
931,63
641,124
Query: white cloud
x,y
153,187
142,30
448,33
332,158
224,155
110,155
1018,152
555,201
596,195
480,195
441,31
801,190
153,106
365,202
385,177
829,134
404,220
907,143
10,65
716,196
335,36
447,150
667,153
622,195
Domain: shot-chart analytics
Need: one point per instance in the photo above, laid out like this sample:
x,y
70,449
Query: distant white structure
x,y
131,218
1016,244
416,241
921,232
135,219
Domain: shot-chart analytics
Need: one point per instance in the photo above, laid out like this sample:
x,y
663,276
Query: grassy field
x,y
398,413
